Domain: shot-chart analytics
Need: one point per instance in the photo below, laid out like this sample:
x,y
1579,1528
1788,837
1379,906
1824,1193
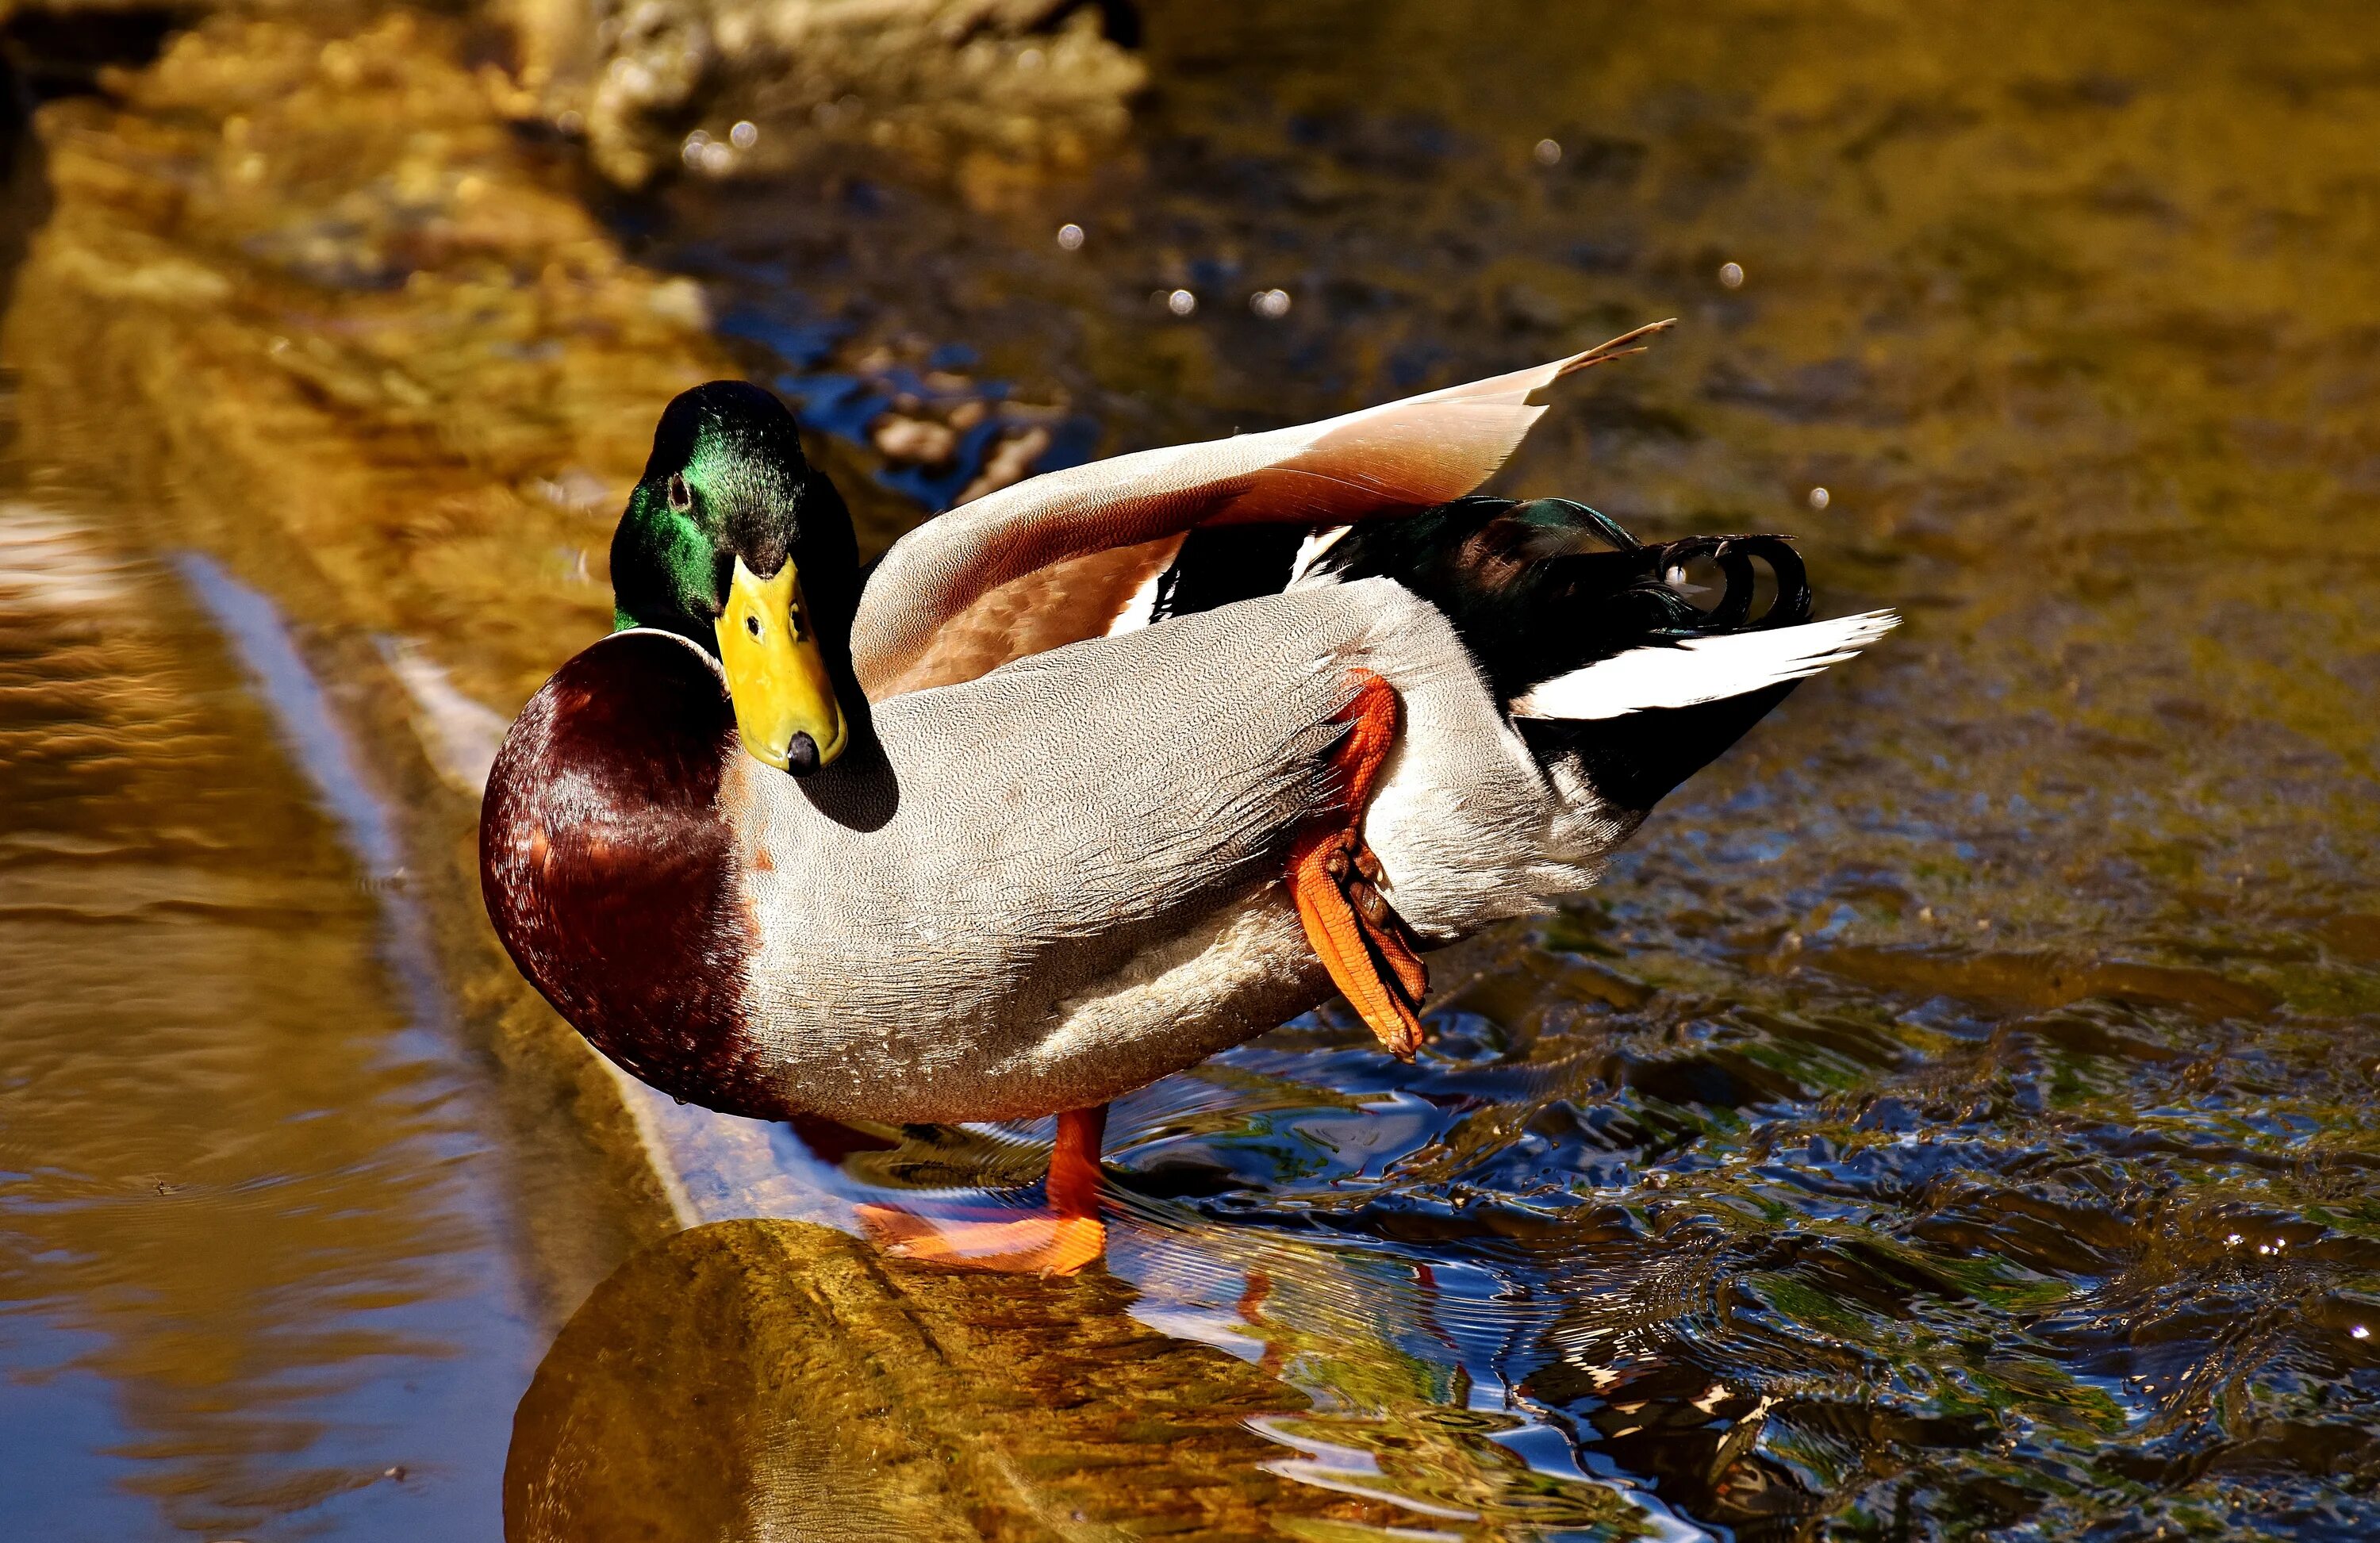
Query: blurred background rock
x,y
730,85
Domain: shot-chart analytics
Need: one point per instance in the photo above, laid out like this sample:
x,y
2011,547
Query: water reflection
x,y
252,1283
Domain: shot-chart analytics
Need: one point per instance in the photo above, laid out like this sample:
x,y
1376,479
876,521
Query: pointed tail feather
x,y
1701,669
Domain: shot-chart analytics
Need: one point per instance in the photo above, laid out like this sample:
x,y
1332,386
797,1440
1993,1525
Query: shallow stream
x,y
1953,1117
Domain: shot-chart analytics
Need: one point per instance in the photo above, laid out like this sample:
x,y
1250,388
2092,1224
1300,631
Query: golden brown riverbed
x,y
1952,1118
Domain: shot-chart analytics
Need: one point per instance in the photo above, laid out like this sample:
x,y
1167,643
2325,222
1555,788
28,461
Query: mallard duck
x,y
1104,773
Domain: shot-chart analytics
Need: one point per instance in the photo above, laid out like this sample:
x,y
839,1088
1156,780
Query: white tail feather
x,y
1310,550
1702,669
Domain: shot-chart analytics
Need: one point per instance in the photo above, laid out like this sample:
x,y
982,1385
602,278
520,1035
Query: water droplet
x,y
2360,1333
1181,302
1270,304
1732,274
1070,236
1548,152
744,135
1820,498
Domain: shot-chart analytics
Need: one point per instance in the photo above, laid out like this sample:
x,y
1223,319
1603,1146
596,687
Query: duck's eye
x,y
752,624
681,497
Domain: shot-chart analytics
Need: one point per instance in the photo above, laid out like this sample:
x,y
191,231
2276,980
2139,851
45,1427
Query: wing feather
x,y
1048,607
1394,458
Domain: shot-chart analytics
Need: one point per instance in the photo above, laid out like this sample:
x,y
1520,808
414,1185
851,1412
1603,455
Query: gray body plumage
x,y
1056,873
1066,878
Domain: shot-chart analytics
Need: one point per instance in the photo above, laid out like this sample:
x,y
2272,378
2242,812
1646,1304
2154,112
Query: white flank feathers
x,y
1702,669
1310,550
1137,610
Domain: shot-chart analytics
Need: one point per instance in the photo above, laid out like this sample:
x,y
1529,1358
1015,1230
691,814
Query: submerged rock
x,y
725,87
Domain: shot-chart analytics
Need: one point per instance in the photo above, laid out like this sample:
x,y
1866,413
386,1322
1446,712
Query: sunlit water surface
x,y
254,1279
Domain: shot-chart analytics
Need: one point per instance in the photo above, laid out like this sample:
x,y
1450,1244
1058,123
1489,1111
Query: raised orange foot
x,y
1335,881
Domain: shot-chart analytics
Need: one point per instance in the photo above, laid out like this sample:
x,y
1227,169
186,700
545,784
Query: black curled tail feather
x,y
1535,590
1539,589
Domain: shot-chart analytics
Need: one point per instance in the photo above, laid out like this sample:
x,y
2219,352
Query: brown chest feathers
x,y
608,868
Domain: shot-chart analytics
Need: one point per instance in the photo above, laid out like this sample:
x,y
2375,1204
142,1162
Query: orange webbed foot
x,y
1030,1245
1059,1241
1336,881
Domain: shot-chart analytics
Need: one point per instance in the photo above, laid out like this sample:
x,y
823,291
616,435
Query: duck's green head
x,y
733,541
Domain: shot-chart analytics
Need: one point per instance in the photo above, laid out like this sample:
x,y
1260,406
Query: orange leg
x,y
1335,881
1059,1241
1075,1161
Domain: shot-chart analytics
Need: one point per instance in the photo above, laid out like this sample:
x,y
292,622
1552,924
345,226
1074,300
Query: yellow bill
x,y
786,707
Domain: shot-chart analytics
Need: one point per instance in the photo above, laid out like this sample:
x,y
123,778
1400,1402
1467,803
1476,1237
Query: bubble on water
x,y
1820,498
1732,274
1548,152
1270,304
1029,59
744,135
717,157
1181,302
1070,236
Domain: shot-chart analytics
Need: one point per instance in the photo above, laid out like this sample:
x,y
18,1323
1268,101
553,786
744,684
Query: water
x,y
1953,1117
254,1273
